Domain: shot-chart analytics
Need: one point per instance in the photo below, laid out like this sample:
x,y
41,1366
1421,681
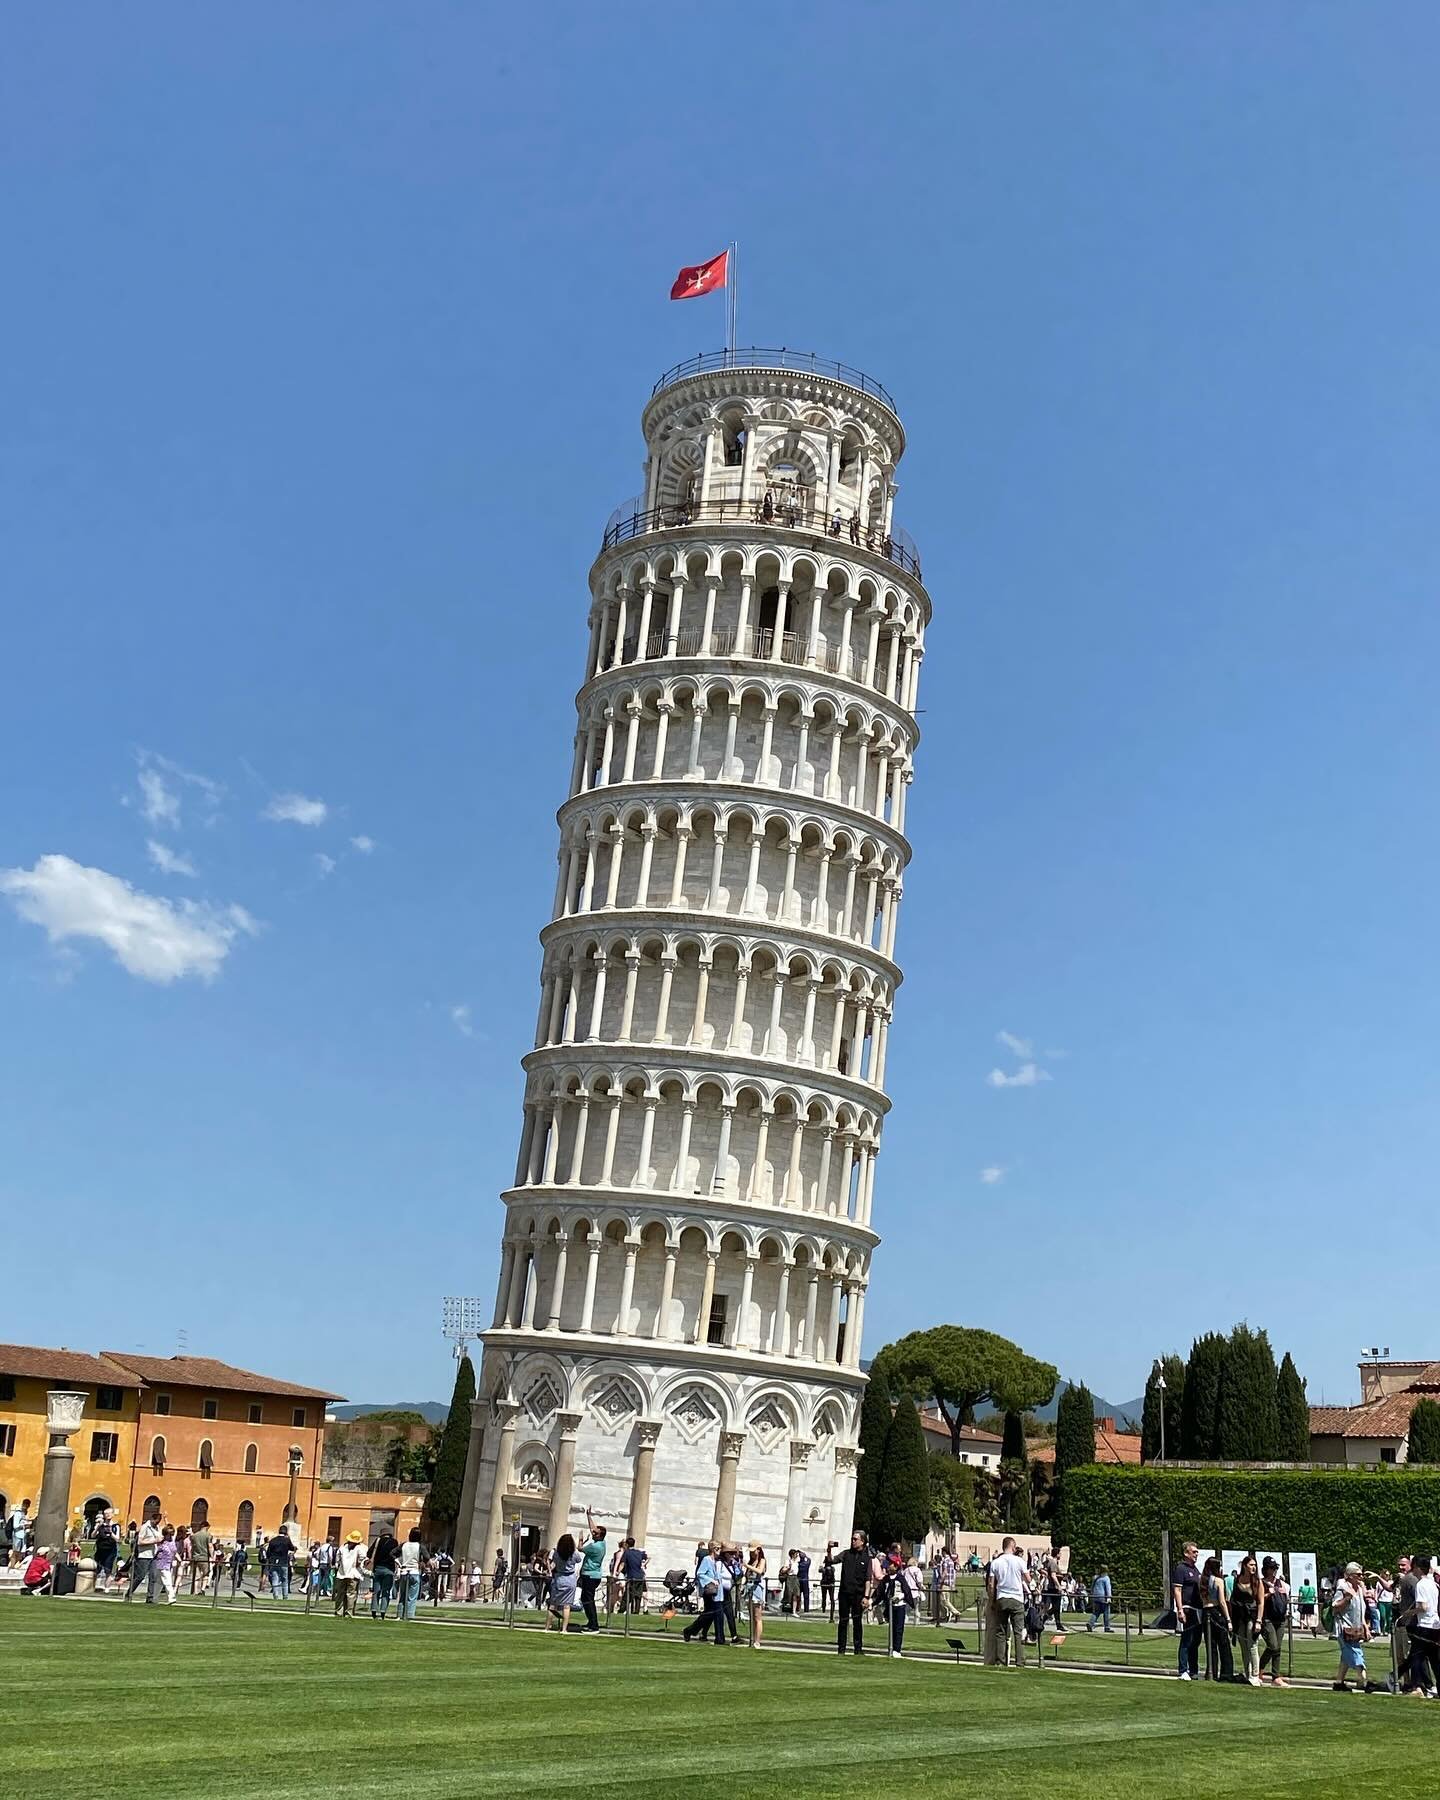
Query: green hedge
x,y
1115,1515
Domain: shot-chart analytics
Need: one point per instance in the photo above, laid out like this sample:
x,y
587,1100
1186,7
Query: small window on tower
x,y
715,1330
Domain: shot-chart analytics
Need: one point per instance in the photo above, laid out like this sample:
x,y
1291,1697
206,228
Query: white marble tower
x,y
687,1245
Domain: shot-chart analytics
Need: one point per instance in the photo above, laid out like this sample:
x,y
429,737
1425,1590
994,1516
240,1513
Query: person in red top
x,y
39,1575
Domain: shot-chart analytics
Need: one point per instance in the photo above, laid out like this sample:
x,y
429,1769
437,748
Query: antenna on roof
x,y
182,1345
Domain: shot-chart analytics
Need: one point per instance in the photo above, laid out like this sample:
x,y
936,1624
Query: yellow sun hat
x,y
354,1537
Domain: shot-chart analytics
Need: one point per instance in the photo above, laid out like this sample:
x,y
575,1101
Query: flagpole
x,y
734,292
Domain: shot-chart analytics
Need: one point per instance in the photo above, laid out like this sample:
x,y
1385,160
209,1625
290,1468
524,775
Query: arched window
x,y
245,1522
199,1514
252,1458
157,1454
151,1509
206,1461
94,1506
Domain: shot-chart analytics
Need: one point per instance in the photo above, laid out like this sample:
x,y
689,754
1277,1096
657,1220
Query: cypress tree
x,y
1173,1369
1424,1446
1292,1412
1012,1439
1201,1400
1074,1444
1074,1430
1247,1423
443,1505
874,1429
902,1497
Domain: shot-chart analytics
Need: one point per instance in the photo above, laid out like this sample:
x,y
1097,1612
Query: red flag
x,y
704,278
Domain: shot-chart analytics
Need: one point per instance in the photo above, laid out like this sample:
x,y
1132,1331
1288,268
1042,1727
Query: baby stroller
x,y
681,1587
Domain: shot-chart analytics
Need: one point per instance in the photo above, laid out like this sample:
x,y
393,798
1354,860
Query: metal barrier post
x,y
1289,1642
1125,1607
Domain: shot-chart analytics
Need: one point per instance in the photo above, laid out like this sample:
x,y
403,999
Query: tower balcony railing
x,y
803,362
753,643
776,512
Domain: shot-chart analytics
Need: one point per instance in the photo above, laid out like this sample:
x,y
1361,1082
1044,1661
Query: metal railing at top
x,y
804,362
752,643
777,512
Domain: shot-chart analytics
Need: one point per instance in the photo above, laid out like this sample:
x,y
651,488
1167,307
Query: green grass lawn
x,y
105,1700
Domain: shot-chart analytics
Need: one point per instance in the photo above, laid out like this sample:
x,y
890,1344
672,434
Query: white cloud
x,y
159,805
161,783
363,844
295,809
168,861
1017,1046
460,1017
152,938
324,865
1027,1075
993,1174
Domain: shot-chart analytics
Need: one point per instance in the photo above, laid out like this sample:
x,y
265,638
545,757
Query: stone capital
x,y
847,1457
800,1449
647,1432
569,1422
731,1444
506,1413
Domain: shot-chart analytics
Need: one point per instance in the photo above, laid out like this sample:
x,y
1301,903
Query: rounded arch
x,y
245,1522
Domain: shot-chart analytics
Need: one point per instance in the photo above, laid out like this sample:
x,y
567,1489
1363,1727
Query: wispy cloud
x,y
296,809
163,784
460,1018
363,844
1027,1075
152,938
324,865
993,1174
168,861
1017,1046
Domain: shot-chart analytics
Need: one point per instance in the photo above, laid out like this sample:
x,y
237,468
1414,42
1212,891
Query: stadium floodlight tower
x,y
687,1245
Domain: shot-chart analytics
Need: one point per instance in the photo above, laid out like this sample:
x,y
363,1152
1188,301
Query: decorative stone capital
x,y
647,1432
800,1449
847,1458
479,1414
731,1444
506,1413
569,1422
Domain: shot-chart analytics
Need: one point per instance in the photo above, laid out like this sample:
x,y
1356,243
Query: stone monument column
x,y
731,1444
496,1534
647,1432
569,1423
63,1413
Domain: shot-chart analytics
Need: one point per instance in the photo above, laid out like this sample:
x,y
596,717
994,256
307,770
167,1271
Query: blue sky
x,y
327,333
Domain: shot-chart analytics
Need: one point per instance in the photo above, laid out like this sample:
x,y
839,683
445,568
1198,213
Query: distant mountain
x,y
432,1411
1104,1409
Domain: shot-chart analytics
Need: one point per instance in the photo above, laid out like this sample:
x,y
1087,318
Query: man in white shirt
x,y
147,1542
1006,1586
1425,1631
350,1566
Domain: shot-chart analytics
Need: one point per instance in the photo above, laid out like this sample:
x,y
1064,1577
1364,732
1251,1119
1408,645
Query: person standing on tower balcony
x,y
592,1570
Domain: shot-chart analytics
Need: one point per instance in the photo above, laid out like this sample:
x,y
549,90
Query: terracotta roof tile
x,y
1387,1418
206,1372
62,1365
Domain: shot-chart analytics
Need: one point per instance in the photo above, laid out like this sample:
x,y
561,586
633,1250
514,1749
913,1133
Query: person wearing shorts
x,y
1351,1630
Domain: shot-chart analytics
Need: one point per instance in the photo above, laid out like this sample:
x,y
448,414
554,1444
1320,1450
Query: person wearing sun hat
x,y
349,1568
1348,1610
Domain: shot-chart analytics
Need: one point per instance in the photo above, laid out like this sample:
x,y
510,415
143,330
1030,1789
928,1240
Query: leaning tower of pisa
x,y
687,1244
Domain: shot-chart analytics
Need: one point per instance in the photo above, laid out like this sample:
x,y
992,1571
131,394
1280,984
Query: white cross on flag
x,y
704,278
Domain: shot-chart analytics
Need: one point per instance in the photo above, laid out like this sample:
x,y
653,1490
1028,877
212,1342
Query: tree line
x,y
1228,1402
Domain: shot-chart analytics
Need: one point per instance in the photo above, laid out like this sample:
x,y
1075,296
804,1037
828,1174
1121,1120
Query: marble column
x,y
800,1449
496,1529
842,1491
569,1423
465,1519
647,1432
731,1444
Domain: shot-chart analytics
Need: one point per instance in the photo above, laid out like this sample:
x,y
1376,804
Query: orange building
x,y
223,1446
104,1444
